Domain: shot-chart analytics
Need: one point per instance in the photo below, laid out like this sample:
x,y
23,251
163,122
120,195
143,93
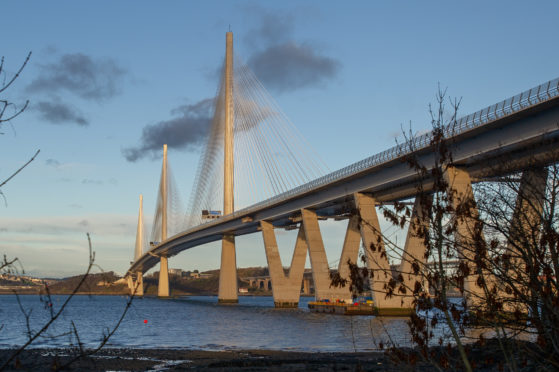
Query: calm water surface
x,y
199,323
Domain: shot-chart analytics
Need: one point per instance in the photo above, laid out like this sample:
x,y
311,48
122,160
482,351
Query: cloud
x,y
282,63
59,113
185,132
291,66
52,163
273,26
77,73
101,224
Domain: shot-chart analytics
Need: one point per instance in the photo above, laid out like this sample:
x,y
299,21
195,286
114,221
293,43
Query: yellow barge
x,y
343,308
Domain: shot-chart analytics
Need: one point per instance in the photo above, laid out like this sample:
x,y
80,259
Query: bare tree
x,y
8,112
504,236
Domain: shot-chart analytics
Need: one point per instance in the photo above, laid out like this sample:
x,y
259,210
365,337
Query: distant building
x,y
175,272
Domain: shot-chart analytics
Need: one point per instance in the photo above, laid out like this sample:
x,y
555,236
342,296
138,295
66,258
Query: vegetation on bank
x,y
109,283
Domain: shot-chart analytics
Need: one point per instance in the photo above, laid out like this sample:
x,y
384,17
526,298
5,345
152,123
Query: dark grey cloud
x,y
272,27
290,66
52,162
59,113
185,132
88,78
281,62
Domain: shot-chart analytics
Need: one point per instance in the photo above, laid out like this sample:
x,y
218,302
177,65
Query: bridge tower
x,y
228,272
138,289
135,282
163,286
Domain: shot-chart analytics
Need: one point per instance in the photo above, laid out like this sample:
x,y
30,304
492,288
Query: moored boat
x,y
362,306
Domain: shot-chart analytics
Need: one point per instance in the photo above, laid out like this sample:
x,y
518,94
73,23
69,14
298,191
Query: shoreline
x,y
128,359
487,356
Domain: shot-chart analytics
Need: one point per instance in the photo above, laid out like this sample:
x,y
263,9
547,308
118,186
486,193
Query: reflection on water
x,y
200,323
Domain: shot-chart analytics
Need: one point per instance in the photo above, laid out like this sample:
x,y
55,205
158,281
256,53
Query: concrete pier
x,y
319,262
524,230
286,289
228,273
414,250
350,250
163,282
377,261
460,188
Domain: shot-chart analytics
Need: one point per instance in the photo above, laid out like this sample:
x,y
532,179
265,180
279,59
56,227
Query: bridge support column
x,y
460,189
524,231
306,286
139,284
350,250
377,261
136,285
286,289
414,249
130,282
163,285
319,262
228,272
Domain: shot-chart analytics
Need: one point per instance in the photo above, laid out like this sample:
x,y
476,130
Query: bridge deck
x,y
500,139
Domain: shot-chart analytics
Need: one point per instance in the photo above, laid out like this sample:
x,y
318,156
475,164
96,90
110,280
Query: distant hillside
x,y
101,283
201,286
22,283
111,284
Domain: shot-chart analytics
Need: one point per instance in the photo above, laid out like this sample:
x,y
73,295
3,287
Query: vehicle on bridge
x,y
210,215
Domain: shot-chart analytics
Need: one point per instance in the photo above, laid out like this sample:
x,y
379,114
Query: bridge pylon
x,y
136,284
163,281
228,271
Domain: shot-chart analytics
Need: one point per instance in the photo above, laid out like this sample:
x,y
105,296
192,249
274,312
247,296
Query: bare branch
x,y
20,169
5,86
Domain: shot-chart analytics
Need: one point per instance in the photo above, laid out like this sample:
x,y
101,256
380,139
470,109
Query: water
x,y
198,323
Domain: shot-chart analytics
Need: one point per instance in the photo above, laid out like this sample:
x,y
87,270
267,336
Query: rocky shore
x,y
175,360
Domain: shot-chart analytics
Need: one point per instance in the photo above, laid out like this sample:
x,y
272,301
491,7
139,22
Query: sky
x,y
109,82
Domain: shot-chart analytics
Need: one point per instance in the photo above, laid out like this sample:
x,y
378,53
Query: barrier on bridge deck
x,y
509,106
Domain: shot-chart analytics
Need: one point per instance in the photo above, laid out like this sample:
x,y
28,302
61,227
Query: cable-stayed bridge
x,y
255,158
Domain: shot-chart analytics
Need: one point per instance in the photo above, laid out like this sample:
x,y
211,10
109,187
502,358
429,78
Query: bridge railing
x,y
522,101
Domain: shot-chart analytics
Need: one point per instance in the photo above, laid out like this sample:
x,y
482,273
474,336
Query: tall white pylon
x,y
228,272
138,285
163,286
139,250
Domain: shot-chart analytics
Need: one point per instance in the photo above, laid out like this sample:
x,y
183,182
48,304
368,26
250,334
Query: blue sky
x,y
102,71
